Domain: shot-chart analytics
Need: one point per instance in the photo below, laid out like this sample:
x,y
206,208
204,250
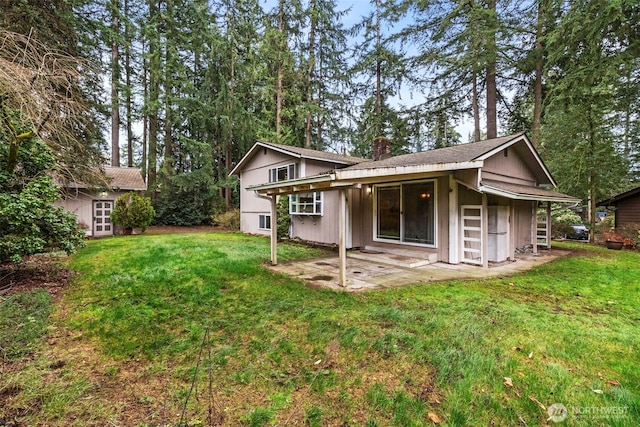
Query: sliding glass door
x,y
388,213
406,213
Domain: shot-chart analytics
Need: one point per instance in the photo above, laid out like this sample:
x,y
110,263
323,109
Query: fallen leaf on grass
x,y
508,382
614,382
597,391
533,399
317,362
433,417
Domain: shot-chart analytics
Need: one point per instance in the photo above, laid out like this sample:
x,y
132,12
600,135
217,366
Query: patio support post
x,y
548,225
454,222
342,240
484,235
274,230
534,227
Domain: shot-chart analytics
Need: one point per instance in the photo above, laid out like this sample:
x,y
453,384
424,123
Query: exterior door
x,y
406,213
388,199
101,217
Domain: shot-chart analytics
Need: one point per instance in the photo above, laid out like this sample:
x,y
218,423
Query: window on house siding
x,y
305,204
264,222
282,173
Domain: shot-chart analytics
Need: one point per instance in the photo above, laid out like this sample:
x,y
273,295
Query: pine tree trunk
x,y
145,116
154,94
168,94
230,107
476,109
378,73
128,72
537,102
115,81
591,206
492,120
312,59
280,73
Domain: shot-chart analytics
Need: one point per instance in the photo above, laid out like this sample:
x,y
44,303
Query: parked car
x,y
580,232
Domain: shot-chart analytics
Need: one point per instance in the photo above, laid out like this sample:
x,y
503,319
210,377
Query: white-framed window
x,y
264,222
282,173
306,204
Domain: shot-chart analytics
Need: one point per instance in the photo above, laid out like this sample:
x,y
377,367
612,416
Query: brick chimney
x,y
381,148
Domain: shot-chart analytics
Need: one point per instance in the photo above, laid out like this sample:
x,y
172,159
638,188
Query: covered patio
x,y
387,271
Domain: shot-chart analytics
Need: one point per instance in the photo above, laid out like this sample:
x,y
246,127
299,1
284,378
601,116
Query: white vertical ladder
x,y
472,234
543,232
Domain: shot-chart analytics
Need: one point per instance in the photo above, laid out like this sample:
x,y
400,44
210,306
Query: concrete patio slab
x,y
364,275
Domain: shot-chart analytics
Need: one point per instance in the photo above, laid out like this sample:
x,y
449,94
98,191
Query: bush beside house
x,y
132,211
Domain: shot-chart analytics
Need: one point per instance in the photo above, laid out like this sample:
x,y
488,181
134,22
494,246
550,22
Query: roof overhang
x,y
301,185
614,200
380,172
258,145
524,192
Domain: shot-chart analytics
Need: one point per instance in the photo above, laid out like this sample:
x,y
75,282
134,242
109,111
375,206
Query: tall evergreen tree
x,y
579,137
379,72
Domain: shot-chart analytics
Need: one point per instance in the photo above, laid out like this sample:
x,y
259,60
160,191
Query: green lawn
x,y
154,320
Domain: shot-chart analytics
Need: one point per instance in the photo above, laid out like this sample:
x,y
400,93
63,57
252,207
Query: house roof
x,y
457,157
465,156
125,178
119,178
523,192
614,200
456,154
297,152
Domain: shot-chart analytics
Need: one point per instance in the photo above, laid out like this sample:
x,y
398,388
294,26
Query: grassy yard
x,y
153,322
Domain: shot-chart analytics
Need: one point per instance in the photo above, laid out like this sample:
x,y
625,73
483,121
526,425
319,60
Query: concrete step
x,y
398,257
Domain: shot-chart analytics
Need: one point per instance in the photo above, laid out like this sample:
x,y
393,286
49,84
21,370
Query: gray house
x,y
472,203
93,206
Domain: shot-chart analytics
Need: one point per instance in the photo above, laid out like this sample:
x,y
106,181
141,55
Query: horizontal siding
x,y
81,204
522,212
467,176
511,168
321,229
628,212
508,179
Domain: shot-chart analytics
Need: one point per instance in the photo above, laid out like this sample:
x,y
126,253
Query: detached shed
x,y
627,207
93,206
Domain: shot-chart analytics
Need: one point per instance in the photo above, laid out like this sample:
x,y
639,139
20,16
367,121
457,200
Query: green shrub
x,y
229,220
29,222
133,211
187,199
562,220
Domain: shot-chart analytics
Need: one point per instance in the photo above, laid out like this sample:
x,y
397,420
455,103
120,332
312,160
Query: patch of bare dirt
x,y
39,272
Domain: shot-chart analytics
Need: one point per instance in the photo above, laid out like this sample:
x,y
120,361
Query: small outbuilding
x,y
93,206
627,206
